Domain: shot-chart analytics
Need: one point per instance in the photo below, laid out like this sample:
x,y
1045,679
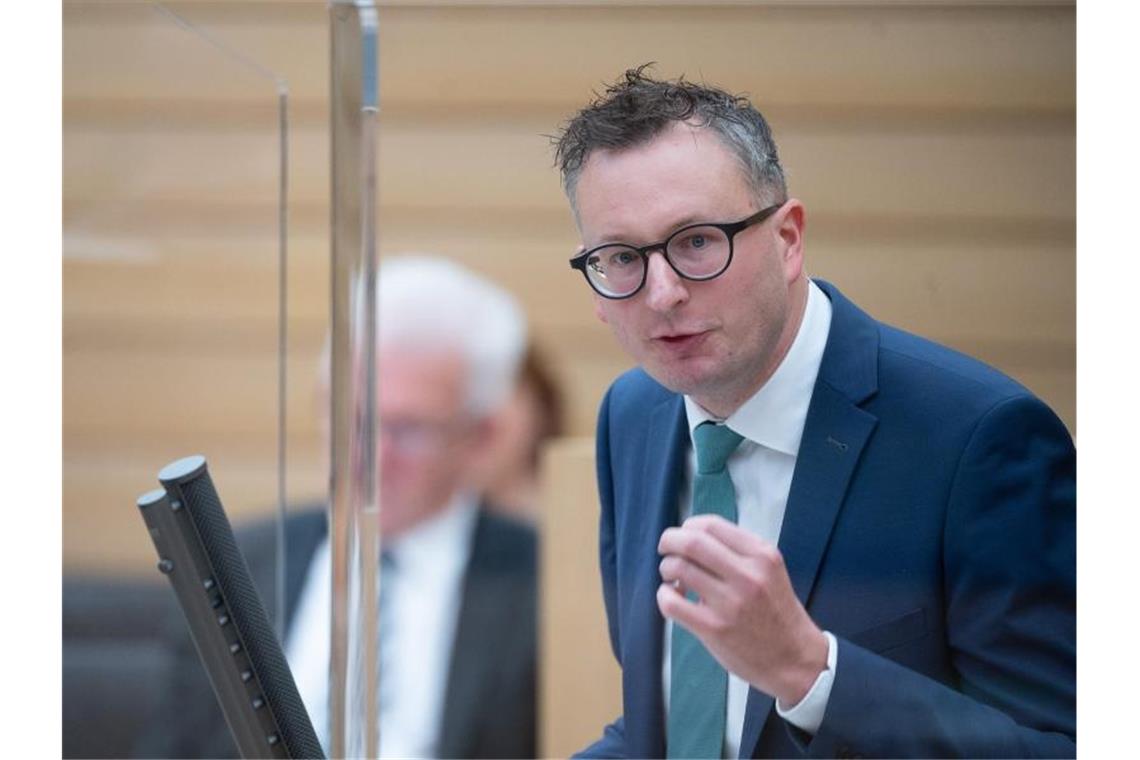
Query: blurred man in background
x,y
458,599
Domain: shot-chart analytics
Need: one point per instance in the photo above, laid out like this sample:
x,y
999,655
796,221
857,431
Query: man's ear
x,y
790,230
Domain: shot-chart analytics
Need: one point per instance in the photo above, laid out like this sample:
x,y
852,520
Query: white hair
x,y
431,304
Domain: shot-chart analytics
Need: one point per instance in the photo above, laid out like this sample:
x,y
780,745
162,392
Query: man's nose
x,y
664,287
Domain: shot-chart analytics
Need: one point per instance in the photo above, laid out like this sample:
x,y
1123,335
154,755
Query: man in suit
x,y
458,595
819,535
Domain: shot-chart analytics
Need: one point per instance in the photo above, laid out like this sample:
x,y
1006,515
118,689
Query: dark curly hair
x,y
638,108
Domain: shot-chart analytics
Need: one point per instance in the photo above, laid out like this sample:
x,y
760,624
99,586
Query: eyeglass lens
x,y
696,252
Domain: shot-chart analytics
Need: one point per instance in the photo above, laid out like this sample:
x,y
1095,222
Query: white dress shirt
x,y
761,468
426,587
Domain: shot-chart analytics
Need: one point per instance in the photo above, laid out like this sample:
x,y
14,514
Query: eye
x,y
620,259
624,258
693,242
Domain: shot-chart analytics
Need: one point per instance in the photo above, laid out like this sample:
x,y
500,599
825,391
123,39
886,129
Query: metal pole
x,y
354,491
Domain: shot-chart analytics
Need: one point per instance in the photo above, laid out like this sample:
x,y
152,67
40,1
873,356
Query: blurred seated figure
x,y
530,417
458,597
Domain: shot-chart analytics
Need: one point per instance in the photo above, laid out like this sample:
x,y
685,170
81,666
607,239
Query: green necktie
x,y
698,688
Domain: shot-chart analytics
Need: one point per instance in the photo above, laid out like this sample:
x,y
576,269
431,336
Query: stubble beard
x,y
722,389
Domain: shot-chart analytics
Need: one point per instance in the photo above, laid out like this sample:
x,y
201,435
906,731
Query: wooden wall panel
x,y
932,143
102,530
438,56
505,167
233,300
1006,283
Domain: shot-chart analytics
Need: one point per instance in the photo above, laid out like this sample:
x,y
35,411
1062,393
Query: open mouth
x,y
682,340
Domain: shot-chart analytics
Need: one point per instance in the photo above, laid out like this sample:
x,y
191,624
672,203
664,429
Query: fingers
x,y
683,575
748,616
697,618
698,560
700,548
730,534
720,547
720,561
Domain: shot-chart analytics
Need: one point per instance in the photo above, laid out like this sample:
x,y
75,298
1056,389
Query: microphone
x,y
228,623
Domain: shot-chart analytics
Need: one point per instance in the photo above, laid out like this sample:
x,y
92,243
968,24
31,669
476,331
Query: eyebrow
x,y
683,222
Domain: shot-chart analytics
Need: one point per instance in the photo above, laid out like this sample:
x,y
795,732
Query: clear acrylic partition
x,y
177,339
173,239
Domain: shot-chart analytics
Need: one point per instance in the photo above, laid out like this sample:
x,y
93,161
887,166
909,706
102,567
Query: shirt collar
x,y
440,543
774,416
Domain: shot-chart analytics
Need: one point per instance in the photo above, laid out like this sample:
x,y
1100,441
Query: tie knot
x,y
714,444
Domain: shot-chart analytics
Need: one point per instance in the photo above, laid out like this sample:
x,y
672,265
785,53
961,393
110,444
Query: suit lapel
x,y
666,445
304,532
834,436
480,610
463,675
835,433
493,650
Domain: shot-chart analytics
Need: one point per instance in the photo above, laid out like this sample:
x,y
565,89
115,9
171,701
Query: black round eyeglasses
x,y
695,252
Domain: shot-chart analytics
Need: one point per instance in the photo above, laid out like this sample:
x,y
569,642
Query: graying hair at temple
x,y
638,108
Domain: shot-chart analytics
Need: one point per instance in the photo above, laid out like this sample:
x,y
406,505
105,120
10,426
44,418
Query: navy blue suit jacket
x,y
930,526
